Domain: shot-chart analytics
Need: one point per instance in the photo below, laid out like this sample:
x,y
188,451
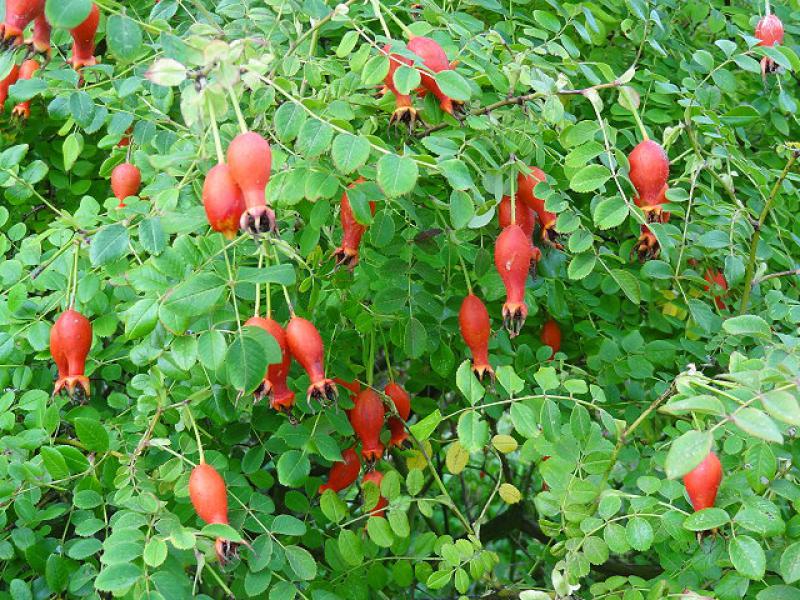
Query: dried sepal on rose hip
x,y
307,348
250,161
513,253
473,320
209,498
70,342
366,417
274,386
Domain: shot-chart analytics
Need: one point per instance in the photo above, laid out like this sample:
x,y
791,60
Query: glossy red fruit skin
x,y
703,481
26,71
344,472
41,35
525,186
83,40
250,162
526,216
70,342
473,320
352,231
20,14
306,347
769,31
402,402
512,257
649,171
210,500
366,417
125,181
435,59
551,336
6,83
716,277
376,477
281,398
404,111
223,201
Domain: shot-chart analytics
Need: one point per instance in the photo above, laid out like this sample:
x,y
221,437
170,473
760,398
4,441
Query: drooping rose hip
x,y
703,481
20,14
649,171
551,336
281,398
512,257
250,162
125,181
306,347
716,278
83,41
70,341
344,472
769,31
376,477
435,59
352,231
6,83
402,402
26,71
223,201
209,497
526,185
404,111
366,417
473,319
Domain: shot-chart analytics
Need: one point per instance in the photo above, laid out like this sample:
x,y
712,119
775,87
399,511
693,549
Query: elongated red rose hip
x,y
250,161
404,111
306,347
344,472
526,216
473,319
83,41
715,277
26,71
6,83
551,336
70,341
769,31
41,35
376,477
366,417
209,497
352,231
281,398
223,201
402,402
512,257
20,14
526,185
435,59
125,181
649,171
703,481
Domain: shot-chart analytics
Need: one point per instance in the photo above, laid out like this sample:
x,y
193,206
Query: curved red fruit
x,y
352,231
306,347
19,14
376,477
366,417
512,257
551,336
703,481
83,40
250,162
26,71
526,185
769,31
404,111
343,472
70,341
210,500
649,170
716,278
125,181
6,83
41,35
223,201
435,59
473,319
281,398
402,402
526,216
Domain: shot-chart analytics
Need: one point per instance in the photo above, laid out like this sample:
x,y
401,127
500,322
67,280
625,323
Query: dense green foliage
x,y
651,375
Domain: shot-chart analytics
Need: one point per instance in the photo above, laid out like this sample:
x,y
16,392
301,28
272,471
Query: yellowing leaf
x,y
504,443
509,494
457,458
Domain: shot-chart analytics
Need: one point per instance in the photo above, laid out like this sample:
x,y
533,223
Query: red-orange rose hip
x,y
210,500
125,181
223,201
306,347
70,341
473,320
703,481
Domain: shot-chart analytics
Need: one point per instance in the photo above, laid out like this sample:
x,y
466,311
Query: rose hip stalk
x,y
366,417
19,14
210,500
83,41
41,35
547,220
404,111
223,201
250,161
376,477
402,402
512,257
6,83
352,231
26,71
281,398
344,472
716,278
434,59
306,347
125,181
703,481
526,216
473,319
70,341
551,336
770,33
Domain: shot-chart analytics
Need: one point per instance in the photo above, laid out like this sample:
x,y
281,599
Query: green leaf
x,y
415,338
248,357
639,534
589,178
91,434
66,14
453,85
117,577
124,37
288,120
332,506
747,557
314,138
301,561
397,175
405,79
293,468
751,325
349,152
380,532
687,452
155,552
581,266
790,563
54,462
628,284
196,295
706,519
350,547
109,244
423,429
376,70
473,431
758,424
152,236
72,148
610,212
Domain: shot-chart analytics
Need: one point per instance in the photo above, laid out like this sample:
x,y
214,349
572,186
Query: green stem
x,y
639,123
371,369
285,291
196,435
751,263
258,286
386,356
401,25
464,270
215,131
74,274
238,110
376,6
